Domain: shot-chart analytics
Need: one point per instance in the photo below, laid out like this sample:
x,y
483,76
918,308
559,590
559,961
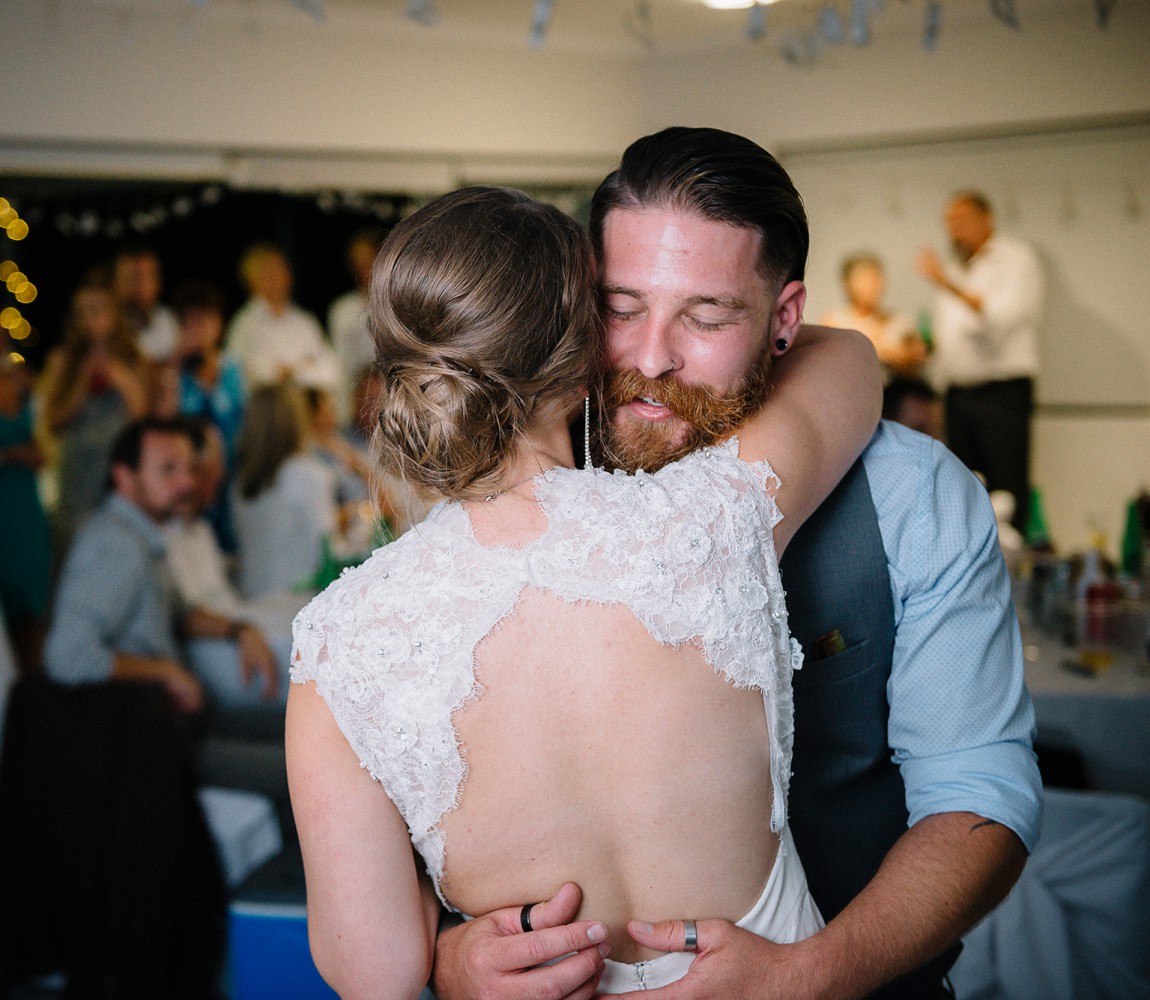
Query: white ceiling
x,y
623,26
680,24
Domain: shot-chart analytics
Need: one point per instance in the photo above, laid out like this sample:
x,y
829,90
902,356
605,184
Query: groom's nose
x,y
654,347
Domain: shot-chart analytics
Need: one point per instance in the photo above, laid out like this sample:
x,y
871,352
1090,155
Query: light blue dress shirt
x,y
114,596
961,721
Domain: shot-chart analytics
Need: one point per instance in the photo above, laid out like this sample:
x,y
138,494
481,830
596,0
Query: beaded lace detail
x,y
688,549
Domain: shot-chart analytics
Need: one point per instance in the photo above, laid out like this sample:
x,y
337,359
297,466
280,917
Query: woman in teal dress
x,y
25,544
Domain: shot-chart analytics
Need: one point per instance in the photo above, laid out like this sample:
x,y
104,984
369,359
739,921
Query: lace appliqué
x,y
688,549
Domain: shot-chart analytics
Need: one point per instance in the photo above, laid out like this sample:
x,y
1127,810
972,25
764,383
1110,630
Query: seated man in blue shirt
x,y
115,616
915,795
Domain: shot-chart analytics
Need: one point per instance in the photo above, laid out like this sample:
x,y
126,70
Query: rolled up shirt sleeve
x,y
961,720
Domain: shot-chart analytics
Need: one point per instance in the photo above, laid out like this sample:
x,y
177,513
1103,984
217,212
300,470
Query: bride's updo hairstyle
x,y
483,308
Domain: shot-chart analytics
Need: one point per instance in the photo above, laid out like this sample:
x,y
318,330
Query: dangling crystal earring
x,y
587,431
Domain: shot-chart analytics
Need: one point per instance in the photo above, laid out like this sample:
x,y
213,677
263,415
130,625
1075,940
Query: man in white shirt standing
x,y
347,323
986,323
271,337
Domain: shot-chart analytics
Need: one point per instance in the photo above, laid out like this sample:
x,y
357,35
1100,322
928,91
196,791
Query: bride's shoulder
x,y
720,465
392,570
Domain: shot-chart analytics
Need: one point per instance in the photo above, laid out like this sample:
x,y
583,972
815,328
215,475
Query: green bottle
x,y
926,329
1132,540
329,566
1037,530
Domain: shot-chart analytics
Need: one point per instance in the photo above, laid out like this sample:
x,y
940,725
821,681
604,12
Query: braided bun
x,y
483,303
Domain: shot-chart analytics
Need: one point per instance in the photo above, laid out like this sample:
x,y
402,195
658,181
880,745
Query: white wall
x,y
1089,466
983,77
378,103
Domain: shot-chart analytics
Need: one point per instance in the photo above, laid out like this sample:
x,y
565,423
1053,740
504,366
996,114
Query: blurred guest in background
x,y
114,617
347,321
209,385
914,404
242,649
271,337
900,348
25,542
284,497
93,385
987,316
348,461
351,466
397,503
137,281
364,407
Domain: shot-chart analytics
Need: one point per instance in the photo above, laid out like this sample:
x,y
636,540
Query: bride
x,y
558,674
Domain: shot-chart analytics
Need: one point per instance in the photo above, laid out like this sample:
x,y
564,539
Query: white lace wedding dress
x,y
688,549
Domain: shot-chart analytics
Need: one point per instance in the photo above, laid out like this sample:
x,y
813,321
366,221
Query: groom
x,y
915,795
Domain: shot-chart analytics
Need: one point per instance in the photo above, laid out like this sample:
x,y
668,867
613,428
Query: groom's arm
x,y
961,725
941,877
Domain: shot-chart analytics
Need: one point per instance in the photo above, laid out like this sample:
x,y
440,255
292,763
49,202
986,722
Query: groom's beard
x,y
704,415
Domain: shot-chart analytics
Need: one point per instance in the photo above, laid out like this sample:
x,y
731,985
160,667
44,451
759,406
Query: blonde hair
x,y
274,428
483,305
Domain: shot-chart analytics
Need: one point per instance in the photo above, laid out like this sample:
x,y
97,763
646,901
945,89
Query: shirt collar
x,y
139,522
985,250
264,309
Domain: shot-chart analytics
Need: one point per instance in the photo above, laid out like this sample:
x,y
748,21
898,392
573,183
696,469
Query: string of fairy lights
x,y
124,218
16,284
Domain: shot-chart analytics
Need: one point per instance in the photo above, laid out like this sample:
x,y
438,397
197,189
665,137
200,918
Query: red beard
x,y
706,414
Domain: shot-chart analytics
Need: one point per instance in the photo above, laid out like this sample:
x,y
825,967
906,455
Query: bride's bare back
x,y
597,755
586,680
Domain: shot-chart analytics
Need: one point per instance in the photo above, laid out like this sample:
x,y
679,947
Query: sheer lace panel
x,y
688,549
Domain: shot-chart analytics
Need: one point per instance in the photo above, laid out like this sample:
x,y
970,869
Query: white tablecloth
x,y
245,829
1077,924
1105,717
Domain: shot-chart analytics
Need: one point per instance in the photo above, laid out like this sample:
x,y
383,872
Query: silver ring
x,y
691,934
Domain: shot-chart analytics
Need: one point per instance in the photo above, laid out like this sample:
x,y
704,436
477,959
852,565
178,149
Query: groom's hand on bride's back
x,y
729,962
491,958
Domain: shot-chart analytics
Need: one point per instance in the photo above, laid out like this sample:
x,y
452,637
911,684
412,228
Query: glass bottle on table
x,y
1097,600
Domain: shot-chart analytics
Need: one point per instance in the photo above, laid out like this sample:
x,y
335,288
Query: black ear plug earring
x,y
781,344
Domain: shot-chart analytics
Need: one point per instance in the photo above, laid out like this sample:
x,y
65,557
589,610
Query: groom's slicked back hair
x,y
720,176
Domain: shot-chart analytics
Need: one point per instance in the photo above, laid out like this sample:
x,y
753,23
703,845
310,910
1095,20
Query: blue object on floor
x,y
268,953
269,958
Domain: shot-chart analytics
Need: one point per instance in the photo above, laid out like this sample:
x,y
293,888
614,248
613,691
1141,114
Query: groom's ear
x,y
787,314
